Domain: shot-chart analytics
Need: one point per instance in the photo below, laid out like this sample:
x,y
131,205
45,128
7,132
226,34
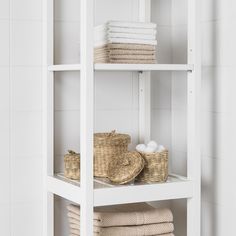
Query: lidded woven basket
x,y
72,165
108,146
156,167
125,168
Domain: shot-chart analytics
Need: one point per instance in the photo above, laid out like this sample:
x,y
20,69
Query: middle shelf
x,y
177,187
124,67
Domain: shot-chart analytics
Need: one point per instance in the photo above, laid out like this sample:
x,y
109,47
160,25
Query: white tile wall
x,y
27,9
26,134
5,228
27,88
26,219
4,43
27,43
4,10
4,88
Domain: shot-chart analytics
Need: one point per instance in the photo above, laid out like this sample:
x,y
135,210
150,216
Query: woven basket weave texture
x,y
156,167
107,147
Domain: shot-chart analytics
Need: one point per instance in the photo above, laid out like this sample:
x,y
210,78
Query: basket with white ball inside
x,y
156,163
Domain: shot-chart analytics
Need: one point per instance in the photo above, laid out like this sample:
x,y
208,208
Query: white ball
x,y
150,149
141,147
161,148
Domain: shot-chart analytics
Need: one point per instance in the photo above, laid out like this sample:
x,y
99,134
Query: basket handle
x,y
72,152
124,162
113,132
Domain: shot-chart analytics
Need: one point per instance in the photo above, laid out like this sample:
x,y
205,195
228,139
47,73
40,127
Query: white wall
x,y
20,112
21,107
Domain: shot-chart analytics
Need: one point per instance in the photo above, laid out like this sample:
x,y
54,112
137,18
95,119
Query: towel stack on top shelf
x,y
125,42
100,48
131,42
126,220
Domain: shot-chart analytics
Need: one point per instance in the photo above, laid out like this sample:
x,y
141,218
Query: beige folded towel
x,y
147,230
130,46
132,61
132,57
131,52
95,234
116,218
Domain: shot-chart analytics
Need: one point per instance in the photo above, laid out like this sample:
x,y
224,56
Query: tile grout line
x,y
10,115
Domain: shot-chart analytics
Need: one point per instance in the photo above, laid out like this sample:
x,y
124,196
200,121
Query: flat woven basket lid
x,y
112,138
125,168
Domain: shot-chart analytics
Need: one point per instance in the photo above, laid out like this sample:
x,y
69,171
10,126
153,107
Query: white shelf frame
x,y
85,194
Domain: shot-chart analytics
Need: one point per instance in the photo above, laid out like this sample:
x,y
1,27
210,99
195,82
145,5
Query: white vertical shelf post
x,y
144,84
193,133
86,116
48,114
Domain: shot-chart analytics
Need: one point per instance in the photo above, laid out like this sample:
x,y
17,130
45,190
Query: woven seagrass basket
x,y
125,168
108,146
72,165
156,167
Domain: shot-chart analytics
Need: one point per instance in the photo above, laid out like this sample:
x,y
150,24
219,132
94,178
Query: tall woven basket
x,y
108,146
156,167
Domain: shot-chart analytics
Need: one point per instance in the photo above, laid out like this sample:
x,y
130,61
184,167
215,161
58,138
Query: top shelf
x,y
125,67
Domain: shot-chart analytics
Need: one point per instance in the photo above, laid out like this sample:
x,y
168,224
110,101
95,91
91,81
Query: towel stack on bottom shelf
x,y
131,42
126,220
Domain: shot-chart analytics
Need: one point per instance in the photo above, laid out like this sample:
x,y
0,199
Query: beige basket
x,y
125,168
72,165
108,146
156,167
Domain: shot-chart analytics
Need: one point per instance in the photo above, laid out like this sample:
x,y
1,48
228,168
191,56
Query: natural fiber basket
x,y
108,146
125,168
72,165
156,167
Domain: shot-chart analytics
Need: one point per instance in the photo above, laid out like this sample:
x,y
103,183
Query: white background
x,y
116,105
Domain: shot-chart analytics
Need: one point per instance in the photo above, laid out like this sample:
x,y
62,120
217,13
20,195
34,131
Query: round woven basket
x,y
72,165
125,168
108,146
156,167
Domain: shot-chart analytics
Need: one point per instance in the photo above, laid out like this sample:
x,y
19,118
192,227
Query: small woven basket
x,y
156,167
72,165
125,168
108,146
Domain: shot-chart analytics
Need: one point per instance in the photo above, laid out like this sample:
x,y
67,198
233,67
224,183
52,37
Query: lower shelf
x,y
177,187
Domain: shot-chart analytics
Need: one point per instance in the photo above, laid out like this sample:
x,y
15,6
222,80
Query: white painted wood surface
x,y
85,195
86,116
193,119
125,67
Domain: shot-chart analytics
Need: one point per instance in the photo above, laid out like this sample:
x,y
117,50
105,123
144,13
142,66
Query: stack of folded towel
x,y
128,222
125,42
100,49
131,42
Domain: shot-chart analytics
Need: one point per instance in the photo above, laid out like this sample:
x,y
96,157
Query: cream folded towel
x,y
153,235
132,61
131,52
112,29
147,230
132,57
130,24
129,46
106,219
132,41
131,36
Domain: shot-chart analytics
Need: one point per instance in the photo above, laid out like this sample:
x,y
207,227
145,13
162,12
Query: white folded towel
x,y
130,24
132,41
132,36
131,30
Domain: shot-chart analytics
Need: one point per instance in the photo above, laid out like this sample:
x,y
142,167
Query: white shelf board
x,y
125,67
106,194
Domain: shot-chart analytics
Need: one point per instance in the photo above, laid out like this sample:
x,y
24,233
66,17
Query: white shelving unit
x,y
89,192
